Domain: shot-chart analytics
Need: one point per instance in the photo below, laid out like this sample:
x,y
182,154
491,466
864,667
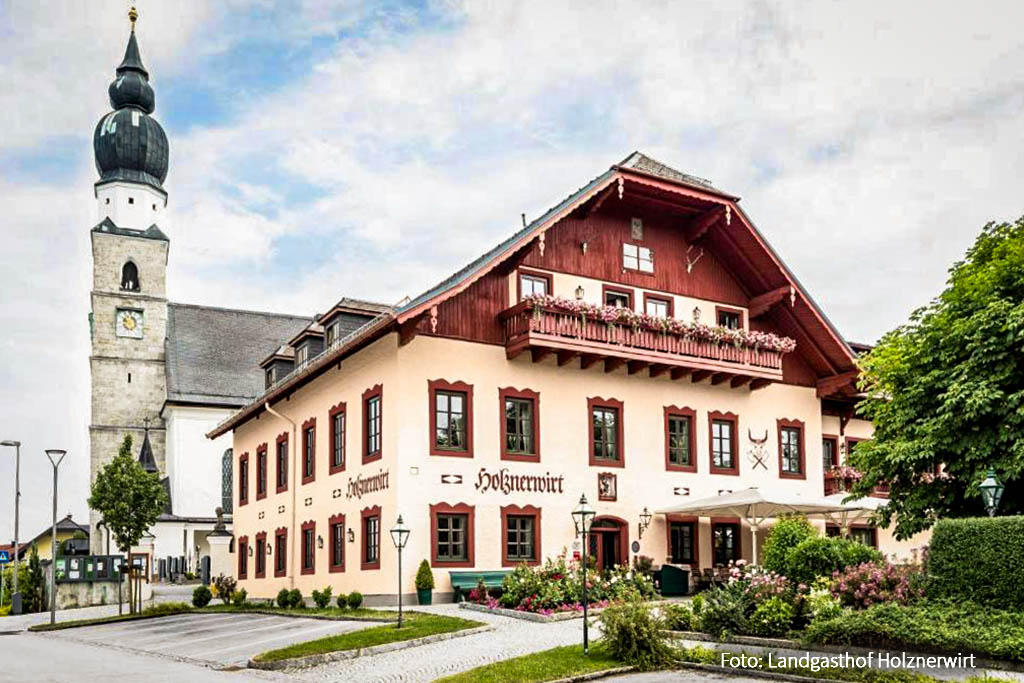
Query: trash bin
x,y
675,581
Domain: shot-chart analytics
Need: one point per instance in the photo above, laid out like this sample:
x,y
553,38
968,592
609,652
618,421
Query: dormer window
x,y
130,277
301,355
271,377
635,257
332,333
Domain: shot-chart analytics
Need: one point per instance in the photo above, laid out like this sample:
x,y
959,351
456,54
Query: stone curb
x,y
594,675
754,673
857,650
328,657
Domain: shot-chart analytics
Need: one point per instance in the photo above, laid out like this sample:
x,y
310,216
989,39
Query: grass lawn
x,y
416,625
549,665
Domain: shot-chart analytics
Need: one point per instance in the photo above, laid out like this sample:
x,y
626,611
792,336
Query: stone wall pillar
x,y
220,553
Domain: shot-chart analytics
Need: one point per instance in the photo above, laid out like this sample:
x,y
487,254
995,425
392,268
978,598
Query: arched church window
x,y
226,480
130,277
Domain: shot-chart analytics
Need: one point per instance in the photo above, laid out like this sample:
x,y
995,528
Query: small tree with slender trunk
x,y
129,500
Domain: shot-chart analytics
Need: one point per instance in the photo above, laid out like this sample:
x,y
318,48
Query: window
x,y
829,452
791,449
521,535
282,462
635,257
451,528
538,284
520,424
860,533
371,538
618,298
243,557
682,542
309,450
680,439
606,446
261,554
451,418
723,443
336,527
332,333
337,416
309,547
731,318
725,542
227,479
372,423
658,306
243,479
850,445
268,377
301,355
261,472
130,277
281,552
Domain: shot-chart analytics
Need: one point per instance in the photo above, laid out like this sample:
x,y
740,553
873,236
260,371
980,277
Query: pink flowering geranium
x,y
871,583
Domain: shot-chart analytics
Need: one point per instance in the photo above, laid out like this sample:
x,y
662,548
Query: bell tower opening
x,y
130,277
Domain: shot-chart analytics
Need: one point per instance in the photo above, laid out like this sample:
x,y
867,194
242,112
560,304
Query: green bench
x,y
463,582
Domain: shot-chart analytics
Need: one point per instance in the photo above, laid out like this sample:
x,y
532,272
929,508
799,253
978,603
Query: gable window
x,y
829,452
301,355
282,462
682,542
680,439
635,257
606,448
261,472
261,554
451,529
729,318
723,443
533,284
520,534
281,552
130,277
336,527
371,537
372,423
337,417
618,298
725,542
243,557
520,424
243,479
791,449
309,450
658,306
309,547
451,418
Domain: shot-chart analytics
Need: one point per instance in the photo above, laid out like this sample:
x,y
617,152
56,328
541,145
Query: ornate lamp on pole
x,y
645,521
582,517
399,536
15,595
55,456
991,492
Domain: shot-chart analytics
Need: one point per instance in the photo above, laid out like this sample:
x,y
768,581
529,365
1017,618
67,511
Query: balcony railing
x,y
527,328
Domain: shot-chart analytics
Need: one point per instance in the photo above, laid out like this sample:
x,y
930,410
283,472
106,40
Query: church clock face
x,y
128,323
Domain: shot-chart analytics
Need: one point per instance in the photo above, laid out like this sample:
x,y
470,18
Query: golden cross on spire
x,y
133,15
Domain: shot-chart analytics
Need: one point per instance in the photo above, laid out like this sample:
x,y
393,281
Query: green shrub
x,y
225,586
355,600
162,608
697,604
238,597
725,610
820,556
283,598
201,596
771,618
783,536
855,553
295,600
822,605
677,617
342,600
424,577
635,636
981,560
322,598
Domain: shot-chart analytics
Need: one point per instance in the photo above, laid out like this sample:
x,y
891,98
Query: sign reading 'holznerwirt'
x,y
506,482
357,486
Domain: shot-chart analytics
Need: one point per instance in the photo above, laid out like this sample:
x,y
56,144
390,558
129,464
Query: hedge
x,y
980,559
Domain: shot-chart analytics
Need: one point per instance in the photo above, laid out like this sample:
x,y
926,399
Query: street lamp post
x,y
15,595
399,536
581,518
991,492
55,456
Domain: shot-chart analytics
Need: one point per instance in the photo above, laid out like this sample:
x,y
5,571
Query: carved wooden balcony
x,y
547,331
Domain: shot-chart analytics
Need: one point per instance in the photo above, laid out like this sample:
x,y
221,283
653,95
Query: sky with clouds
x,y
321,149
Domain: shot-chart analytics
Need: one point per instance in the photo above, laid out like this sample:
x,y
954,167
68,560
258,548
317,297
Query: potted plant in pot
x,y
424,584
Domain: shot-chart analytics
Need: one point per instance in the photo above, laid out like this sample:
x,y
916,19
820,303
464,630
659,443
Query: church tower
x,y
128,318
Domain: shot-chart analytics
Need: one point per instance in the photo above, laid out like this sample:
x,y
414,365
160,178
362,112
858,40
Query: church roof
x,y
213,354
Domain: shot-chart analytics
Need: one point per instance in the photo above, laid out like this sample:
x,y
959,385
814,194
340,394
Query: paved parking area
x,y
217,640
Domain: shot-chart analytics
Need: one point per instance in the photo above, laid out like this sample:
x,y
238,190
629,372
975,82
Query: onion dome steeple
x,y
130,145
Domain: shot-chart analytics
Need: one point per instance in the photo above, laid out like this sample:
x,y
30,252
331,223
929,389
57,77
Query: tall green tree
x,y
33,594
947,389
127,497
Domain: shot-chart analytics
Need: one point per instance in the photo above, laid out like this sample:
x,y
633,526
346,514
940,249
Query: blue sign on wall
x,y
4,557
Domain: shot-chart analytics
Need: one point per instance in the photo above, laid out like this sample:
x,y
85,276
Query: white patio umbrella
x,y
755,506
852,512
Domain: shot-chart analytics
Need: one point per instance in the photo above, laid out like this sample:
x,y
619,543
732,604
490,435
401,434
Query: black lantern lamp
x,y
400,536
645,521
582,517
991,492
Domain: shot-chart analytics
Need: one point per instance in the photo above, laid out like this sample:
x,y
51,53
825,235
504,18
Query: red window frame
x,y
540,275
676,411
333,521
281,543
376,391
525,395
306,426
338,409
660,297
716,416
243,479
695,521
282,438
365,514
612,289
261,555
243,557
781,424
434,386
835,448
458,509
262,474
598,402
308,526
517,511
850,442
732,309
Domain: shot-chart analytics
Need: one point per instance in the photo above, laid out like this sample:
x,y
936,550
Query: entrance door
x,y
606,543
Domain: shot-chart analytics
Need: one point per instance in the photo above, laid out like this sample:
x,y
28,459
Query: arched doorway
x,y
609,542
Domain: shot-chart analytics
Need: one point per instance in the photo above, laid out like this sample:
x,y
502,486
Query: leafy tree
x,y
947,389
127,497
33,596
